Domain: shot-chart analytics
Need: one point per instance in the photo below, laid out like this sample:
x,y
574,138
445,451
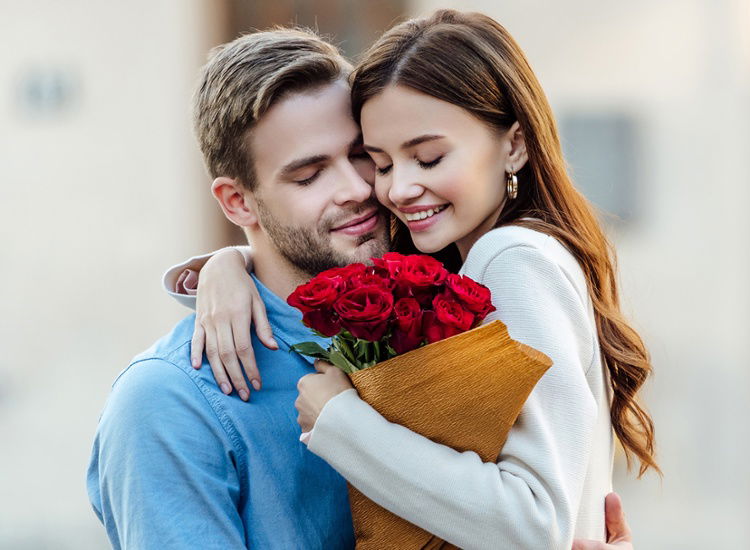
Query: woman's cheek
x,y
381,192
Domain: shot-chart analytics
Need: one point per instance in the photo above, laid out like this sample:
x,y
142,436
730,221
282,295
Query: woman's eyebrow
x,y
420,139
407,144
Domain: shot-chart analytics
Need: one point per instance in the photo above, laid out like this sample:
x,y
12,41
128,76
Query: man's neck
x,y
275,272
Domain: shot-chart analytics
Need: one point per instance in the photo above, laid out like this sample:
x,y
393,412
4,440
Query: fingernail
x,y
196,364
274,343
244,395
225,388
255,384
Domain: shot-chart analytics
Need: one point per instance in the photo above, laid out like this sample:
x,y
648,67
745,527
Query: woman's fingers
x,y
212,353
243,345
196,345
260,319
228,357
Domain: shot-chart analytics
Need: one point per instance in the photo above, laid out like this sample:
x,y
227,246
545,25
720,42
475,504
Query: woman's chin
x,y
428,246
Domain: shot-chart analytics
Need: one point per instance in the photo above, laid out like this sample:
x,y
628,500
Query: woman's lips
x,y
364,225
418,226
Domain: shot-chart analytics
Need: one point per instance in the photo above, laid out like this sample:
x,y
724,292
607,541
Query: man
x,y
176,463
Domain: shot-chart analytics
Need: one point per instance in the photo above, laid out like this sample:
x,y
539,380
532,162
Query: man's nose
x,y
351,186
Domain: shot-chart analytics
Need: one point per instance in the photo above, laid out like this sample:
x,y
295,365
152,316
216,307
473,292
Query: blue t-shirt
x,y
178,464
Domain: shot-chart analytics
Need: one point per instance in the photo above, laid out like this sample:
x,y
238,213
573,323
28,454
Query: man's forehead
x,y
312,122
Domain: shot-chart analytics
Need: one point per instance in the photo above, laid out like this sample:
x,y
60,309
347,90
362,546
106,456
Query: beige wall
x,y
95,201
683,68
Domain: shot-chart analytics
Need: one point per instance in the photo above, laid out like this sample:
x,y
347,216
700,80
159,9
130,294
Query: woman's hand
x,y
227,303
316,389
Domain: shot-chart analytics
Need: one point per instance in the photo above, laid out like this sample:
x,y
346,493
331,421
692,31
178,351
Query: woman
x,y
469,163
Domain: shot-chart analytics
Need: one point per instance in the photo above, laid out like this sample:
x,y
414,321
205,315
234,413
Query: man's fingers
x,y
243,345
212,352
262,326
228,356
617,528
196,345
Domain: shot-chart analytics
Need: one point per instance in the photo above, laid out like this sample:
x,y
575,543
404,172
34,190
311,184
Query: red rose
x,y
417,270
319,293
434,330
342,275
365,311
391,262
372,276
451,312
325,321
474,296
407,332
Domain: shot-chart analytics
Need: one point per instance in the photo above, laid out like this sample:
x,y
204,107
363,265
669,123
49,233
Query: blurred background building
x,y
102,187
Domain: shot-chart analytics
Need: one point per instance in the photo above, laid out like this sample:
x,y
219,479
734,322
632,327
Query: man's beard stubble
x,y
311,251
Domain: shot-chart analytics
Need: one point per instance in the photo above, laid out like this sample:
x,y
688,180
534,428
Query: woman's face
x,y
439,169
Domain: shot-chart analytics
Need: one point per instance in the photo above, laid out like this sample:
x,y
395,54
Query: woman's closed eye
x,y
383,171
426,165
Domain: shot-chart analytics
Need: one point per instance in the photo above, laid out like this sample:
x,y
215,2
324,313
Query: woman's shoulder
x,y
503,239
528,249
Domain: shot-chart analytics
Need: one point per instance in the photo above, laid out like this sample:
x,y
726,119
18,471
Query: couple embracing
x,y
440,141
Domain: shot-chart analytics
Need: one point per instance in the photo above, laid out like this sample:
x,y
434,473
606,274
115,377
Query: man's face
x,y
315,196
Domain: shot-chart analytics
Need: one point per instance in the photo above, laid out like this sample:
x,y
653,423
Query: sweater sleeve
x,y
530,497
195,264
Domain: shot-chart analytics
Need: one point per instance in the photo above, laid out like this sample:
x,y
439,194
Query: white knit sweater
x,y
555,469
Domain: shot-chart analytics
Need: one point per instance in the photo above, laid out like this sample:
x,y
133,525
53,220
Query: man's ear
x,y
235,200
517,155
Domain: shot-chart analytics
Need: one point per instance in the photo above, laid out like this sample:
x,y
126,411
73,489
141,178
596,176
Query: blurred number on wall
x,y
47,91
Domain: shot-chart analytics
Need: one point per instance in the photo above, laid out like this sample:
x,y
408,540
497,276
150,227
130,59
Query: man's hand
x,y
618,532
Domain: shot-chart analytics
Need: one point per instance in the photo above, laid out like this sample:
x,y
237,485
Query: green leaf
x,y
338,359
311,349
345,349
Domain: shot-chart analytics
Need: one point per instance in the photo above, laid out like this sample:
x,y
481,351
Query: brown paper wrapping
x,y
465,392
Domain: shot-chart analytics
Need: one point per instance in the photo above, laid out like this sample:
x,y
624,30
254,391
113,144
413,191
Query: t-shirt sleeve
x,y
162,470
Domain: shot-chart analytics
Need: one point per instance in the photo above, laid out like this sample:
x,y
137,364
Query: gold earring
x,y
511,185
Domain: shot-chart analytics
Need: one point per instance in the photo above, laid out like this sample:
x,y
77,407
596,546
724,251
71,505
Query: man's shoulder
x,y
161,382
173,347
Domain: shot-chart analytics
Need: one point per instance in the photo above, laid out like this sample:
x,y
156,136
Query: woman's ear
x,y
235,200
517,155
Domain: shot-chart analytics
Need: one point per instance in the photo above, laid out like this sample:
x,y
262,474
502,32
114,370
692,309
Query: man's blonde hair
x,y
243,79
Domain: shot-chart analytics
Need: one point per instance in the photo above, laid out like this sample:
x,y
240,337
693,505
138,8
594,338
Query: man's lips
x,y
356,221
359,226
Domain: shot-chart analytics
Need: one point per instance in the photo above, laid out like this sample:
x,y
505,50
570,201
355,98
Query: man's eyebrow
x,y
407,144
301,163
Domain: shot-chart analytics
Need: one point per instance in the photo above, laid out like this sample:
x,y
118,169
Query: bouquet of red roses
x,y
396,305
404,331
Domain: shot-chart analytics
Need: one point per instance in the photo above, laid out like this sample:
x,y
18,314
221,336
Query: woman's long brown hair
x,y
471,61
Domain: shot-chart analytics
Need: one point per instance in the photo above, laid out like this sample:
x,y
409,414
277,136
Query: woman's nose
x,y
403,187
